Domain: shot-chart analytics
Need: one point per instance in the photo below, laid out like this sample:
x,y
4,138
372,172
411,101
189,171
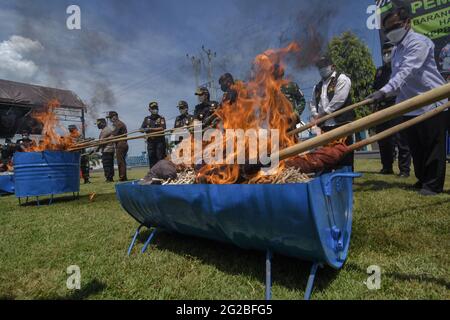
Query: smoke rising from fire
x,y
68,54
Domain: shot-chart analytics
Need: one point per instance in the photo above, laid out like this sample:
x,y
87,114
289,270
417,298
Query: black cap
x,y
226,77
183,104
153,105
112,114
72,127
201,91
323,62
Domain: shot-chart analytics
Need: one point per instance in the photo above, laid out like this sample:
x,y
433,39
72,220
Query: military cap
x,y
153,105
226,77
112,114
101,120
183,104
201,91
323,62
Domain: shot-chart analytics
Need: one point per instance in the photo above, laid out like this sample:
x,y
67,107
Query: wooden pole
x,y
87,143
330,116
402,126
372,120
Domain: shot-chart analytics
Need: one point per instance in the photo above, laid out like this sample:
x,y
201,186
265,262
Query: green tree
x,y
352,57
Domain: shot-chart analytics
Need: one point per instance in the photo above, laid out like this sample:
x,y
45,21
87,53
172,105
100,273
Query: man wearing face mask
x,y
106,150
120,129
154,124
387,146
332,93
414,71
184,119
226,82
203,110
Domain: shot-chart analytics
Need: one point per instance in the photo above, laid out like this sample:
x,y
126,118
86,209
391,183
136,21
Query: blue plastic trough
x,y
46,173
6,184
311,221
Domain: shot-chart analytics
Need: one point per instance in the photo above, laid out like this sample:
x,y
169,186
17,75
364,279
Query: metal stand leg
x,y
147,243
309,286
134,239
37,200
269,275
51,200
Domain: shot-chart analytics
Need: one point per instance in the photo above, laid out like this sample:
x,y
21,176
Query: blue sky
x,y
129,53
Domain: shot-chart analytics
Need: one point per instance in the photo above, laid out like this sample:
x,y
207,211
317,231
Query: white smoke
x,y
13,62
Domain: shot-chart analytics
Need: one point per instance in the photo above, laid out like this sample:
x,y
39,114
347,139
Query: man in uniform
x,y
292,92
106,150
203,110
332,93
226,82
184,119
120,129
84,162
154,124
414,72
296,97
387,146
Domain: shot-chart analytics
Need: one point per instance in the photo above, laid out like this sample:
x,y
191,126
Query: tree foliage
x,y
352,57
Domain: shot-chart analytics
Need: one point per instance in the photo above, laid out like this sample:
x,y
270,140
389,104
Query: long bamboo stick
x,y
402,126
86,143
372,120
330,116
100,142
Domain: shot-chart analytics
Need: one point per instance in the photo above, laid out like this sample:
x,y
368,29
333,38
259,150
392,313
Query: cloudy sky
x,y
129,53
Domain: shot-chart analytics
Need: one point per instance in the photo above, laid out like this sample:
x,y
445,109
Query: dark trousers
x,y
349,159
84,166
108,165
427,144
388,145
121,155
156,150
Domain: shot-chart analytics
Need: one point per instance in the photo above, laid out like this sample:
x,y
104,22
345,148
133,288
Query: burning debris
x,y
51,139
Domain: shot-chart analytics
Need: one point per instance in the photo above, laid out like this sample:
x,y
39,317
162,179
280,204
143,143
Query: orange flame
x,y
51,139
260,105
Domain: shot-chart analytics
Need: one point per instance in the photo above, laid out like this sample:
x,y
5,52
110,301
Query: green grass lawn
x,y
405,234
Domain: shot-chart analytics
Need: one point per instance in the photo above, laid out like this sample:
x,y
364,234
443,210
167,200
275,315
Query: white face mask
x,y
387,57
397,35
326,72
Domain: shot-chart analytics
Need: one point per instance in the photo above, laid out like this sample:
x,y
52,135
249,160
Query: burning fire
x,y
51,139
260,105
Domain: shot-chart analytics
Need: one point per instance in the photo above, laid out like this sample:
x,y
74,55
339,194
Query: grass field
x,y
407,235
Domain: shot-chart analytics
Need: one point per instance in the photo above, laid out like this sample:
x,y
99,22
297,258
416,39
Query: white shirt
x,y
343,86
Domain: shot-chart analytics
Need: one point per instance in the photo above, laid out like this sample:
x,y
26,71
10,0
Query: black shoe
x,y
417,185
403,175
86,181
386,171
427,193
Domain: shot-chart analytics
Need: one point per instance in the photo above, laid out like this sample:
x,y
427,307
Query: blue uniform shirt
x,y
414,70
